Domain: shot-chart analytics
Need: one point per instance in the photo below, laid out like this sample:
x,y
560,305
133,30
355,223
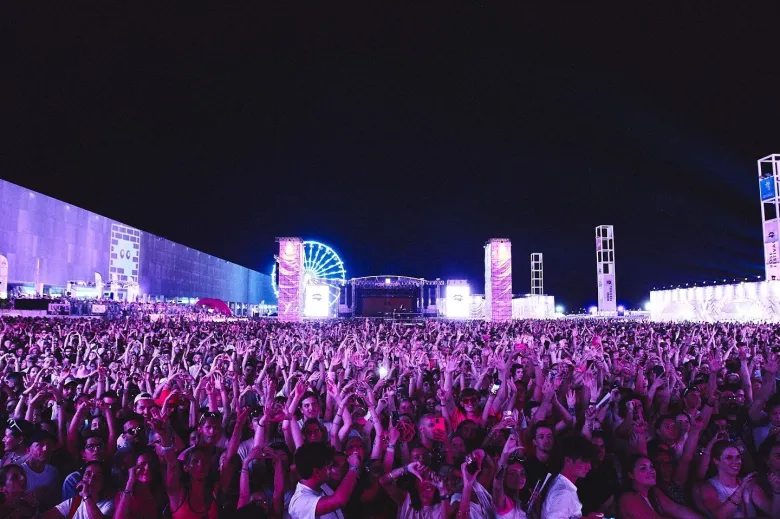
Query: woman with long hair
x,y
421,495
196,496
509,481
143,496
726,495
17,502
644,500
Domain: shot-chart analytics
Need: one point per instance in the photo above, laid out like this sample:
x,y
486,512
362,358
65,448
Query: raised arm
x,y
340,497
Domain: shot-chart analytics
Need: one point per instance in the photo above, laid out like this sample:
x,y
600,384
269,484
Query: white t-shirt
x,y
244,447
303,504
562,501
484,508
106,508
44,485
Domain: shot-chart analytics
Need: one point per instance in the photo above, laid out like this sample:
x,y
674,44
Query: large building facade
x,y
51,245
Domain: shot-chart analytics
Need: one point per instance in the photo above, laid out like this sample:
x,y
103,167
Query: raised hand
x,y
416,468
468,477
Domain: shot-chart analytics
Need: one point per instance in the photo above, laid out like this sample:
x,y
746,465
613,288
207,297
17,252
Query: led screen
x,y
458,297
316,303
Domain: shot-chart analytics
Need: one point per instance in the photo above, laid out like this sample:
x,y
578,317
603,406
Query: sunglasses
x,y
94,447
13,425
210,414
134,430
469,400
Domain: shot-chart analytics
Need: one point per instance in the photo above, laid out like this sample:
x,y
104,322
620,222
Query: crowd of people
x,y
359,418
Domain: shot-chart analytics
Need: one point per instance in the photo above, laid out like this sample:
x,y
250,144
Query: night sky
x,y
405,137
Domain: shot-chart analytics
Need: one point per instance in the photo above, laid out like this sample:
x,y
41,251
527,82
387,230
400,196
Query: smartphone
x,y
395,417
438,425
658,370
495,388
471,465
507,415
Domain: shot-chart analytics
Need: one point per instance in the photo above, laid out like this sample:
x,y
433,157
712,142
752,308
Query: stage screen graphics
x,y
458,297
316,303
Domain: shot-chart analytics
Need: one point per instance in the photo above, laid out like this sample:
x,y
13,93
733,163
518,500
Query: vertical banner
x,y
99,285
498,280
605,269
771,257
291,289
767,187
3,277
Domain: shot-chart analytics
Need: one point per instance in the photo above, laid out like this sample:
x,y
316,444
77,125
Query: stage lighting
x,y
559,309
593,310
648,306
621,308
387,281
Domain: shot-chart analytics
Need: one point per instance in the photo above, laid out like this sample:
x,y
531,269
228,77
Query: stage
x,y
389,297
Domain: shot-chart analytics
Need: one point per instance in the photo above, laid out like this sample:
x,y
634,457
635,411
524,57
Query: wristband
x,y
446,497
733,502
127,492
391,447
355,469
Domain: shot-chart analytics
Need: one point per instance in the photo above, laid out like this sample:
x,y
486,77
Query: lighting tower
x,y
605,269
537,274
768,176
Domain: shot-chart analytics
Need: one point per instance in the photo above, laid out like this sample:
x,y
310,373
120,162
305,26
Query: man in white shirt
x,y
562,501
43,479
313,498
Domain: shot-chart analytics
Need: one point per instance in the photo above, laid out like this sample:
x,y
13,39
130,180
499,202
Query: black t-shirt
x,y
536,470
598,486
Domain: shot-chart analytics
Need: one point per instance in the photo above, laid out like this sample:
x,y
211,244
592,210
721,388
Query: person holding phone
x,y
92,500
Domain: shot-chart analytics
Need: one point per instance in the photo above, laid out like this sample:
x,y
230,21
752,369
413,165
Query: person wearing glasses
x,y
133,433
94,450
510,480
15,443
468,408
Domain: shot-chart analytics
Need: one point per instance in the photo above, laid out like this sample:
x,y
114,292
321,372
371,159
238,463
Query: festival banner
x,y
498,280
291,289
767,188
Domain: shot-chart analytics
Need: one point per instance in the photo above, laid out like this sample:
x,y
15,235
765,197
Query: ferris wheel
x,y
321,265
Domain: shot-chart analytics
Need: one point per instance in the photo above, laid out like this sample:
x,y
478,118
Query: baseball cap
x,y
142,396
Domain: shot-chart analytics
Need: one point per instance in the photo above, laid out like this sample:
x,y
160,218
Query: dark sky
x,y
406,136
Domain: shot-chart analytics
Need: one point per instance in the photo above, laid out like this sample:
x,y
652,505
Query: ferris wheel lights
x,y
321,267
